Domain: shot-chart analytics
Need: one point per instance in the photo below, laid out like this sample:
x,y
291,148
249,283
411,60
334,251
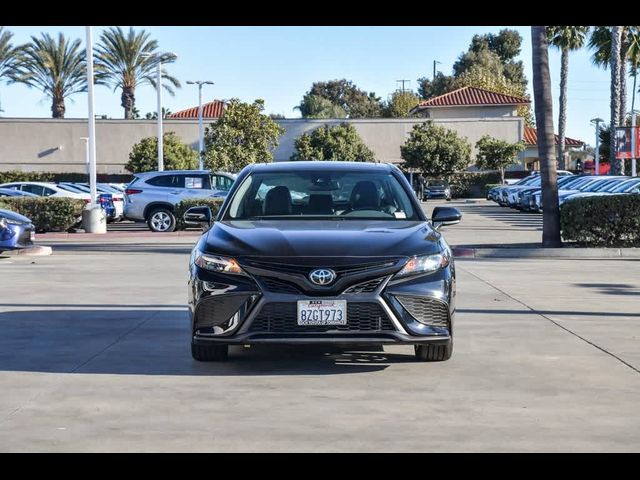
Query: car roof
x,y
42,184
311,166
168,172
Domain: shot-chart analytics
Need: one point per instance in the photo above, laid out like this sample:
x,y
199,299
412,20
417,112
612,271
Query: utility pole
x,y
435,62
403,82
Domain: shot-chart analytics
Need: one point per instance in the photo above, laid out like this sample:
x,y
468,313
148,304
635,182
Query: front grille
x,y
299,268
369,286
425,310
276,285
281,317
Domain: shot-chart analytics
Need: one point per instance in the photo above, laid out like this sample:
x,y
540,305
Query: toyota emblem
x,y
322,276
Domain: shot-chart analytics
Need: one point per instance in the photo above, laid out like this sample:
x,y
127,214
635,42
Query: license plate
x,y
322,312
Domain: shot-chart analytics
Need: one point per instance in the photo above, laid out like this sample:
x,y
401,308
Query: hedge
x,y
19,176
46,213
607,220
181,207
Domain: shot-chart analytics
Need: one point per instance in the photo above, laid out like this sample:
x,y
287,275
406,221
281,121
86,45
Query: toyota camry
x,y
334,253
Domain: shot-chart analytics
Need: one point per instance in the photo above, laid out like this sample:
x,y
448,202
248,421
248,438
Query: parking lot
x,y
94,356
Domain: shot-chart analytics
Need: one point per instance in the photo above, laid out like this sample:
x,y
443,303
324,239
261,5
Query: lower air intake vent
x,y
425,310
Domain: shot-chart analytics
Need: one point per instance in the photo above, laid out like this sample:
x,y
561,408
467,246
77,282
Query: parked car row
x,y
110,198
526,195
151,197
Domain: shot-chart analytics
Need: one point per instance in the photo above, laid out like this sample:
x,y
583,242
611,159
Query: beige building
x,y
57,145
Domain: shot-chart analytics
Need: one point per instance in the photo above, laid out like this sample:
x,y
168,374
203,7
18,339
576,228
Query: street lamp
x,y
158,58
596,122
200,126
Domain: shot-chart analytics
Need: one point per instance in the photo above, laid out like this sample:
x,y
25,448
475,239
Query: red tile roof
x,y
531,138
468,96
209,110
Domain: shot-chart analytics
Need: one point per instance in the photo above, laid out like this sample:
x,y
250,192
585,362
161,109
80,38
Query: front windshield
x,y
323,195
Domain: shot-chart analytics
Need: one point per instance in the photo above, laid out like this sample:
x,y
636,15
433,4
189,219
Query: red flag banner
x,y
623,142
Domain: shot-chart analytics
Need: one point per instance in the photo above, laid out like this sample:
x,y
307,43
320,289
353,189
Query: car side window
x,y
166,181
35,189
47,192
195,182
220,182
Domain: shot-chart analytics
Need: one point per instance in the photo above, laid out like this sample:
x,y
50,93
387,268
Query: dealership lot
x,y
94,356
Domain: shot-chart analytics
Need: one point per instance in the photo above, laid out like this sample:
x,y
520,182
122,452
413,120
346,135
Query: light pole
x,y
200,126
158,57
596,122
86,158
91,118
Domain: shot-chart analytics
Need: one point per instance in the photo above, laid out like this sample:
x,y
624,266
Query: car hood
x,y
16,217
320,238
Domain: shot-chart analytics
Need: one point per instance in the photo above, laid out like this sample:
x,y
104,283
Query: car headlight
x,y
425,264
215,263
3,223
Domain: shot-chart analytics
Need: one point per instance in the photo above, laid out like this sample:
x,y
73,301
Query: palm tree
x,y
544,122
57,67
8,56
126,60
633,56
616,37
566,39
315,106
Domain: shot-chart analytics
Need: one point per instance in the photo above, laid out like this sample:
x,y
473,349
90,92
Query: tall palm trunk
x,y
128,101
623,76
57,107
546,150
562,118
616,33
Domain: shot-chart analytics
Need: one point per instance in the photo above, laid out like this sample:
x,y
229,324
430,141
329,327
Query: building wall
x,y
57,145
472,112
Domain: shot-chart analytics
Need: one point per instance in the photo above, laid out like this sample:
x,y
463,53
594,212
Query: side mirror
x,y
445,216
198,216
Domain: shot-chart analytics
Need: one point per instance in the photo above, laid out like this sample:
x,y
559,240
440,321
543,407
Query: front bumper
x,y
17,237
228,309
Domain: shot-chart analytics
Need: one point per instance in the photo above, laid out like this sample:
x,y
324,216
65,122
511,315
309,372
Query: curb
x,y
568,252
92,236
35,251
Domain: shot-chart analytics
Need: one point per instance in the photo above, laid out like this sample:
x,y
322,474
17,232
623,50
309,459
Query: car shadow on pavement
x,y
138,340
612,288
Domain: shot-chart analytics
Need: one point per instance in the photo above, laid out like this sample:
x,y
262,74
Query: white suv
x,y
152,196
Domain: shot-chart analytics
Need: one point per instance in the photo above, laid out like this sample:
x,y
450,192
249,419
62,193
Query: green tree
x,y
566,39
435,150
546,137
242,136
315,106
339,142
176,154
615,101
495,52
343,93
57,67
438,86
496,154
400,104
127,60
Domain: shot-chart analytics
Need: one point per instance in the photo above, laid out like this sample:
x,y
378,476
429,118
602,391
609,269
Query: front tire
x,y
209,353
433,353
161,220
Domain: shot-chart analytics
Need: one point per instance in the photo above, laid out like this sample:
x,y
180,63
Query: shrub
x,y
176,154
608,220
47,213
181,207
19,176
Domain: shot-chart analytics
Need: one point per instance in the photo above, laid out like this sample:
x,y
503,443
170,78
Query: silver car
x,y
152,196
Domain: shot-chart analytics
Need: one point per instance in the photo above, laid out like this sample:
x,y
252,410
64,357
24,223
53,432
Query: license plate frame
x,y
312,312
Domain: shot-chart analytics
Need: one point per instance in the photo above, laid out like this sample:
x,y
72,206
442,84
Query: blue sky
x,y
279,64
